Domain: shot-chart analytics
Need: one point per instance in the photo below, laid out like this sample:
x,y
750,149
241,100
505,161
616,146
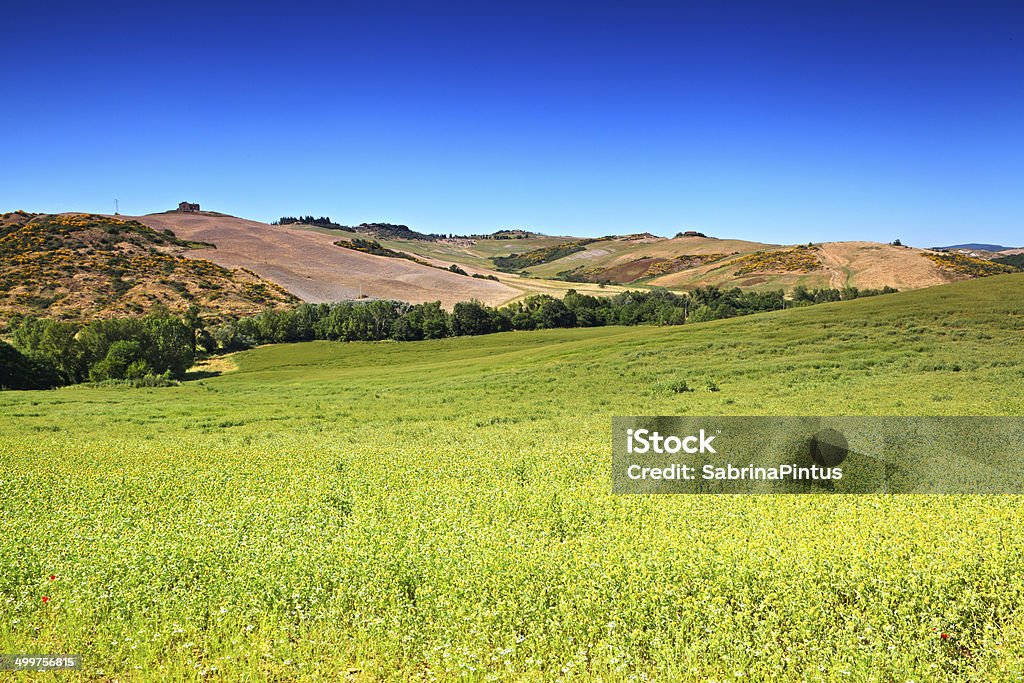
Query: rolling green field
x,y
442,510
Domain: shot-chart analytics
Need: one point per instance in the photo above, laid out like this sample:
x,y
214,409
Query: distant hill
x,y
387,231
305,260
974,246
84,266
1013,260
391,231
506,234
692,259
119,264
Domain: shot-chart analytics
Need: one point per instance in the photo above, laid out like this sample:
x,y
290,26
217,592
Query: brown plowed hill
x,y
305,261
870,265
865,265
310,266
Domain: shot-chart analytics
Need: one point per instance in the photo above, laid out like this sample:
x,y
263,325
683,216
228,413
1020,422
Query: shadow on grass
x,y
193,375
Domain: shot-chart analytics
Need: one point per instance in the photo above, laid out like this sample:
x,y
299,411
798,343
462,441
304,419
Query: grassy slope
x,y
443,508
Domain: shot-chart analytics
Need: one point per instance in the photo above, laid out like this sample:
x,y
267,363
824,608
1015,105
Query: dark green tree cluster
x,y
378,320
516,262
377,249
25,371
48,353
803,296
322,221
372,320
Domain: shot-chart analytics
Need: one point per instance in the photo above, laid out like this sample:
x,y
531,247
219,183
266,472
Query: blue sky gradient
x,y
773,121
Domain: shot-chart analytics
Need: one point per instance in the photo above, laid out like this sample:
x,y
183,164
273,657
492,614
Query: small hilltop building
x,y
185,207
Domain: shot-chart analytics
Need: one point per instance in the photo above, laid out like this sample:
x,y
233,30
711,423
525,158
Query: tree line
x,y
322,221
803,296
160,347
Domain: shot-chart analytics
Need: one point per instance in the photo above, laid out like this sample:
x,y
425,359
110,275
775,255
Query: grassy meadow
x,y
441,510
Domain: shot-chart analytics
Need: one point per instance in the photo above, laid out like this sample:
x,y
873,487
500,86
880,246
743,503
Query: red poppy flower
x,y
46,599
944,636
53,577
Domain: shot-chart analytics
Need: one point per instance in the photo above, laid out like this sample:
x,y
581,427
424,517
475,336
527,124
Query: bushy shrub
x,y
124,360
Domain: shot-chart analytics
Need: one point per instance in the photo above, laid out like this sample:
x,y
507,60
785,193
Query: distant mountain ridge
x,y
975,246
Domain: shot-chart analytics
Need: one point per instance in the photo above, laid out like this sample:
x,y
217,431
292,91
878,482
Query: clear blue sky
x,y
777,121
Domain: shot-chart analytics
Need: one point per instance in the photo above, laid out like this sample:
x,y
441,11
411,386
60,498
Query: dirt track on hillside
x,y
870,265
311,267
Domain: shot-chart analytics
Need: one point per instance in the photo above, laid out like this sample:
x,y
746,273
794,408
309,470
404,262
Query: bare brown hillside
x,y
306,262
309,265
694,261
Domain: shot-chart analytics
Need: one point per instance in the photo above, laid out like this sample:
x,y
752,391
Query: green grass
x,y
440,510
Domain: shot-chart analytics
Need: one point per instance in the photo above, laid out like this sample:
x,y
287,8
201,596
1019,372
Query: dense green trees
x,y
124,360
516,262
52,342
803,296
158,345
472,318
25,371
49,353
422,321
377,320
322,221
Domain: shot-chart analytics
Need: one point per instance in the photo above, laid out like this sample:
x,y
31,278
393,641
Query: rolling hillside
x,y
305,261
334,520
273,263
309,265
687,262
82,266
